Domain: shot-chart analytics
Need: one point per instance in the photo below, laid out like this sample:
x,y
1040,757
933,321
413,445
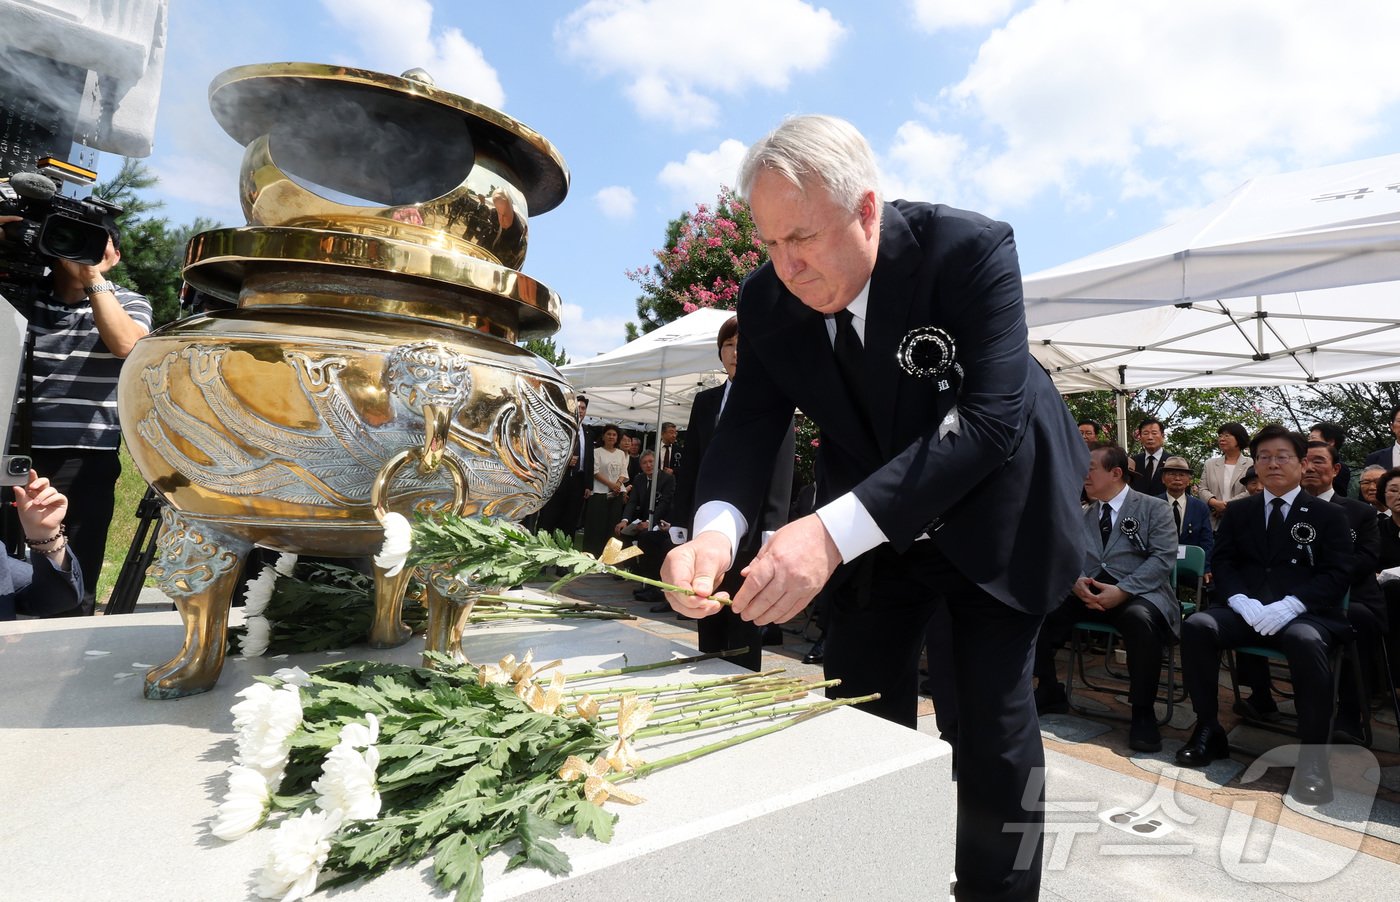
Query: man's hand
x,y
1102,596
789,571
699,565
41,507
1278,615
1251,609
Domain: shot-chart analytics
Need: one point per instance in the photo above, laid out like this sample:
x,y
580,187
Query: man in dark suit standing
x,y
725,629
1152,458
1389,456
564,509
1282,562
646,522
950,466
1130,550
669,455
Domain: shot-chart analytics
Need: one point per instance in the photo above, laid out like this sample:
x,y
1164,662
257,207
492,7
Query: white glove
x,y
1278,615
1251,609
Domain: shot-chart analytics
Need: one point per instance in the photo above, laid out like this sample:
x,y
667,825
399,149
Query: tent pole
x,y
656,461
1120,403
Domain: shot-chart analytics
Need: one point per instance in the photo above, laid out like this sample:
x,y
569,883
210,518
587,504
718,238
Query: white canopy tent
x,y
655,378
1290,278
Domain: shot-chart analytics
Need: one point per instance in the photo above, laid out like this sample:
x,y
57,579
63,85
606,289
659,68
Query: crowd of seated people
x,y
1293,565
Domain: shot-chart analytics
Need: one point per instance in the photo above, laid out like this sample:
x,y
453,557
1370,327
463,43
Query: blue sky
x,y
1083,123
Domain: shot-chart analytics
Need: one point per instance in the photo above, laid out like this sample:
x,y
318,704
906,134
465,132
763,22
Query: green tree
x,y
707,254
1192,416
153,251
546,348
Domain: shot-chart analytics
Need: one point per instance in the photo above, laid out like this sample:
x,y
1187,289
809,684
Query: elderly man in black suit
x,y
1152,458
1283,561
950,466
1130,550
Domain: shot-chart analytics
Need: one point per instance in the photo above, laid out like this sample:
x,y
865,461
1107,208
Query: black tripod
x,y
139,555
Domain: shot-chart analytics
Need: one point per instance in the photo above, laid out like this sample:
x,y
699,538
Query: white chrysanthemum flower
x,y
265,721
360,735
258,632
293,676
245,805
398,541
259,592
286,563
299,850
346,784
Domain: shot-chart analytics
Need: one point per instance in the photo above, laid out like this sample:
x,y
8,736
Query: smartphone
x,y
16,469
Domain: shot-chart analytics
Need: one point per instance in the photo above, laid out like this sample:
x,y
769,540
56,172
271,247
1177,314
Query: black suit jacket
x,y
1244,565
1363,528
1001,497
1381,457
640,497
772,511
1153,486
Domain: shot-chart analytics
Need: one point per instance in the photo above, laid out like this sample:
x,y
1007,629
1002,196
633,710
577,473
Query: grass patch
x,y
131,487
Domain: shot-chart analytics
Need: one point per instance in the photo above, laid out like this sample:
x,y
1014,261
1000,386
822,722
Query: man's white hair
x,y
822,148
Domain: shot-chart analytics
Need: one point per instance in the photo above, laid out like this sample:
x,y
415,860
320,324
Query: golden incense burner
x,y
370,364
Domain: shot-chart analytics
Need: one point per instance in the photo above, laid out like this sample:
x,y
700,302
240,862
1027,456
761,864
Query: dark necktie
x,y
666,458
1275,531
850,355
1176,512
1151,467
1105,522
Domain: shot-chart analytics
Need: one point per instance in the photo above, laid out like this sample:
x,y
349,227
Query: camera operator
x,y
80,335
51,579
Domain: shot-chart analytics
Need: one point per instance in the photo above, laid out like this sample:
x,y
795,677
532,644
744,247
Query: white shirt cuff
x,y
851,527
724,518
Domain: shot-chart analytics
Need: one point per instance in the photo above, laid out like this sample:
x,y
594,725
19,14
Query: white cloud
x,y
936,15
700,176
584,336
675,54
209,184
395,37
1215,90
616,201
922,164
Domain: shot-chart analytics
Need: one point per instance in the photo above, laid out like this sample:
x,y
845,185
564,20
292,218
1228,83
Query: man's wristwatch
x,y
99,287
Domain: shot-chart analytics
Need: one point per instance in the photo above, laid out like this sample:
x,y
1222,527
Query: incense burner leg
x,y
198,566
388,630
450,602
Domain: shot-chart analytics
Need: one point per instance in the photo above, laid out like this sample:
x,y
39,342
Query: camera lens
x,y
19,466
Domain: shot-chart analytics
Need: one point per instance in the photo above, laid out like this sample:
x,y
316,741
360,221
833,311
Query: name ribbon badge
x,y
1304,534
929,352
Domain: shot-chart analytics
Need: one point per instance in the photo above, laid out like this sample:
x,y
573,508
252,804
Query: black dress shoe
x,y
816,655
1312,780
1143,735
1207,743
1050,698
1263,710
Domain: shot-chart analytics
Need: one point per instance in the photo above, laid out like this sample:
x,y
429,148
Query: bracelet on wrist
x,y
62,544
35,543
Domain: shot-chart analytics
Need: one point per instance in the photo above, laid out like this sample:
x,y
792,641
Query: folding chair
x,y
1344,648
1191,565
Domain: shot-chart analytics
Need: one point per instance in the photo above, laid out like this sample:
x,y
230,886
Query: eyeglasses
x,y
1282,460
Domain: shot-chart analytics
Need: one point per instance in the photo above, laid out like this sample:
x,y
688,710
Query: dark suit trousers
x,y
1145,634
876,632
725,629
1206,633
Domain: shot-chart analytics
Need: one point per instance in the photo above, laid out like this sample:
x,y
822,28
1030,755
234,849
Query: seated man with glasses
x,y
1282,562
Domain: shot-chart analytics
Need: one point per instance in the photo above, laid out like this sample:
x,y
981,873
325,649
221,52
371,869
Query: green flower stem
x,y
777,693
610,694
566,604
750,708
551,615
811,711
679,702
661,665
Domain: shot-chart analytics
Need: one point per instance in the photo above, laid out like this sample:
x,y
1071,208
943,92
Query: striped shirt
x,y
75,376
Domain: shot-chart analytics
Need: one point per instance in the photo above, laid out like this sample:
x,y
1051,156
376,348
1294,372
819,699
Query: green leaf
x,y
457,864
536,850
592,819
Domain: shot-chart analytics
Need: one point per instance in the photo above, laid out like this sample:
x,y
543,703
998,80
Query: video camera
x,y
52,227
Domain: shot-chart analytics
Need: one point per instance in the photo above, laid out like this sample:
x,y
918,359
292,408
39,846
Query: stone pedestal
x,y
110,795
